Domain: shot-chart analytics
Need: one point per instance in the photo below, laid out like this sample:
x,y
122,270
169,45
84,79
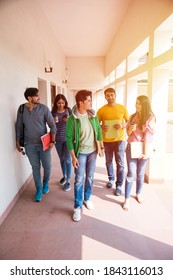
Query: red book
x,y
46,141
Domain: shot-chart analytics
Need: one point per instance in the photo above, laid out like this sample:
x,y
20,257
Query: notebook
x,y
137,149
46,141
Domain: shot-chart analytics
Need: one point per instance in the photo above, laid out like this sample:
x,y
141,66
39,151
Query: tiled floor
x,y
45,230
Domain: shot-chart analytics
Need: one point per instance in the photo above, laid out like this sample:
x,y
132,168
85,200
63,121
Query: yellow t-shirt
x,y
110,116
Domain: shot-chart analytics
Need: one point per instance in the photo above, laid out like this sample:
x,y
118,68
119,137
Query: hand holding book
x,y
113,128
46,140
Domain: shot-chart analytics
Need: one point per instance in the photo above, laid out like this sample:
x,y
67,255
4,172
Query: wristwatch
x,y
54,142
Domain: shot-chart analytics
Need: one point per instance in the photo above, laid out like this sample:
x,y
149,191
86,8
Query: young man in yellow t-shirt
x,y
113,118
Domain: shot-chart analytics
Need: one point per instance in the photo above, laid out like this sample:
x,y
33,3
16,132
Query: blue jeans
x,y
116,149
65,159
84,177
135,171
36,156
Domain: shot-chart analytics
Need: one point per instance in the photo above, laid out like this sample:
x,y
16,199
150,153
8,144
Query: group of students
x,y
76,135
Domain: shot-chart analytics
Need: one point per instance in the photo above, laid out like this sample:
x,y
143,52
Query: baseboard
x,y
15,199
153,180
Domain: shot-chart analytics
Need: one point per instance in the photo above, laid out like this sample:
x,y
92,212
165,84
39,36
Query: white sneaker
x,y
89,205
77,214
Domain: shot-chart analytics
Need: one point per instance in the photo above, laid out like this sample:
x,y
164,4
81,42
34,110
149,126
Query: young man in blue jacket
x,y
83,132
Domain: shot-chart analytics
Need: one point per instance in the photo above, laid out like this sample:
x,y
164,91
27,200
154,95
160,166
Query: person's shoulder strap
x,y
21,108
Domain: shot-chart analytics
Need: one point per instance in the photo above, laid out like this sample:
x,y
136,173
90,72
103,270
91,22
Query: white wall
x,y
26,43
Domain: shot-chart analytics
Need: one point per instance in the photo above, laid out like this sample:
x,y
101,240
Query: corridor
x,y
45,231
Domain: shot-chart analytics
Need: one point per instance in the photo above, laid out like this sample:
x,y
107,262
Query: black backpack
x,y
21,140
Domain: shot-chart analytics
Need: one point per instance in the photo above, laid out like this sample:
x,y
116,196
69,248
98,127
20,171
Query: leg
x,y
68,166
45,157
131,174
119,159
109,163
34,159
59,148
90,169
78,187
141,165
79,181
67,160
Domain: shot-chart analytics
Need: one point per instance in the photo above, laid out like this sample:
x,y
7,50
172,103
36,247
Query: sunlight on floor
x,y
96,250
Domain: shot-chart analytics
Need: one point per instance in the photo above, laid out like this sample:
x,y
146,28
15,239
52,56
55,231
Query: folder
x,y
112,132
46,141
137,149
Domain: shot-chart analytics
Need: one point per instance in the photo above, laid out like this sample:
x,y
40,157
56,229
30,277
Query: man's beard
x,y
35,102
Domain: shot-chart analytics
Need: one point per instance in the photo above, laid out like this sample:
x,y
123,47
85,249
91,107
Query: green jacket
x,y
73,129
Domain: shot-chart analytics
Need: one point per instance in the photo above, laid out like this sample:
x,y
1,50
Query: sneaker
x,y
38,195
88,204
77,214
118,191
110,184
62,181
67,187
45,188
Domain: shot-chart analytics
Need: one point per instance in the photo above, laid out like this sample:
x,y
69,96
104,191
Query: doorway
x,y
42,87
53,93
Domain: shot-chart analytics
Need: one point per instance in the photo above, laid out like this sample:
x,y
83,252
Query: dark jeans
x,y
65,158
115,149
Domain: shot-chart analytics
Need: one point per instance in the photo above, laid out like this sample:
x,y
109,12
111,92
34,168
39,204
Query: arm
x,y
124,120
130,126
102,124
52,141
98,130
119,125
99,138
70,133
104,127
70,136
148,130
74,159
51,123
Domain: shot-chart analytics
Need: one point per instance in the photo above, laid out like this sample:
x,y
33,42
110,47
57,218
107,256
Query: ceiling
x,y
84,27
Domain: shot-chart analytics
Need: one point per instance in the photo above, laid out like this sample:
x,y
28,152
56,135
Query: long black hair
x,y
146,111
57,98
